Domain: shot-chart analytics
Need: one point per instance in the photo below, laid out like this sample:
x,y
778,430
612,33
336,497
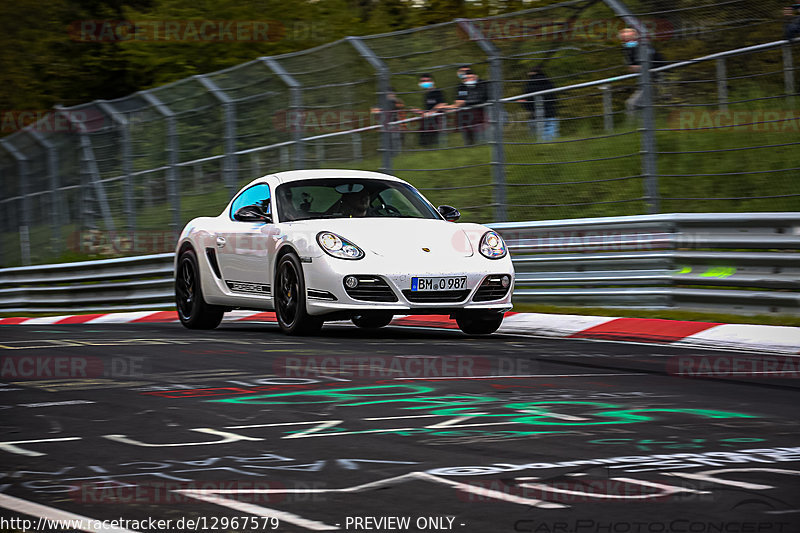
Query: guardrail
x,y
732,262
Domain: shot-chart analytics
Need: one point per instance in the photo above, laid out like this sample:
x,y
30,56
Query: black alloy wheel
x,y
193,311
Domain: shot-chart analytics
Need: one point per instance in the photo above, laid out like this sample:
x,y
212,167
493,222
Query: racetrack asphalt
x,y
399,429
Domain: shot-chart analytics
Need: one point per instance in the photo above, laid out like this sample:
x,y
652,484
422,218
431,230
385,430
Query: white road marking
x,y
257,510
11,445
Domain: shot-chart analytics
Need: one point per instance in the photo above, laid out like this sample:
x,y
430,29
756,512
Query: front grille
x,y
435,296
371,289
491,289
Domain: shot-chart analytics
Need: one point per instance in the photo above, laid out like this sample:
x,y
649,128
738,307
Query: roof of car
x,y
294,175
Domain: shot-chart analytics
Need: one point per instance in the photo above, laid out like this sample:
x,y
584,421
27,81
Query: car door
x,y
242,248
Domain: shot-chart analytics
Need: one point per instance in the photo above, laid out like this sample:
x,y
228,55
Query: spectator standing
x,y
470,93
633,58
538,81
791,29
432,101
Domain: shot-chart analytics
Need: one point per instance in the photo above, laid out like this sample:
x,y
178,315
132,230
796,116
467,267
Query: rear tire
x,y
193,310
290,298
479,322
372,320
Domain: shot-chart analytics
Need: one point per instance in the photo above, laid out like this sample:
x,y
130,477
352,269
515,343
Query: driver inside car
x,y
354,202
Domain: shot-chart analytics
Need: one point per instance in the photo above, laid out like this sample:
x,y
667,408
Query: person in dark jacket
x,y
470,93
538,81
432,102
791,29
633,58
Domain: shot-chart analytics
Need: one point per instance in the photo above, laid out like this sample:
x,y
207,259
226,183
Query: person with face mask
x,y
432,101
471,92
633,58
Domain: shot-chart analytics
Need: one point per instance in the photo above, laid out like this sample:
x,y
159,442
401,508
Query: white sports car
x,y
316,245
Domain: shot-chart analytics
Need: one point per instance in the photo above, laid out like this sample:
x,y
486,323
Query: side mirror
x,y
449,212
252,213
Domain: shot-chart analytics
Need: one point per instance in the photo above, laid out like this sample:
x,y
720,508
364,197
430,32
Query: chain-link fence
x,y
564,120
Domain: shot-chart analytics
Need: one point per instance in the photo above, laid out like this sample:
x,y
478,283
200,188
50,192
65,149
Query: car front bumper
x,y
326,275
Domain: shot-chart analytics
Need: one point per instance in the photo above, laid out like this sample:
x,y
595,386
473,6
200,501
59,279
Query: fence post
x,y
297,122
230,165
538,106
356,140
649,163
608,108
172,158
197,177
90,166
722,84
383,95
127,162
25,218
255,165
56,201
788,69
495,115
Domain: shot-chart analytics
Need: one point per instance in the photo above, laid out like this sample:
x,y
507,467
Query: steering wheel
x,y
388,210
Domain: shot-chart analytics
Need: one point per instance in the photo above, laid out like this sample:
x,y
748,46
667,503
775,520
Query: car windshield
x,y
349,198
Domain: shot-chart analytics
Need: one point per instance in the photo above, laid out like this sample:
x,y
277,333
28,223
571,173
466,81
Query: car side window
x,y
255,195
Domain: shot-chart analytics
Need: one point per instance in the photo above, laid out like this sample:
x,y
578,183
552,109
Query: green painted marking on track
x,y
329,395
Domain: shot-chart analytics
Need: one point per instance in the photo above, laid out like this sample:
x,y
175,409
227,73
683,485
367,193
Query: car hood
x,y
401,237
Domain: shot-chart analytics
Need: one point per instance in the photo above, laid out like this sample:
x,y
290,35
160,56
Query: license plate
x,y
452,283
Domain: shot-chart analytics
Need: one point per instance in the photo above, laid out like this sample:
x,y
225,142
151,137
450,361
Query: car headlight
x,y
339,247
492,246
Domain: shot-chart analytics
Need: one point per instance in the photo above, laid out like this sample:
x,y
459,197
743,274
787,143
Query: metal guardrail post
x,y
230,166
788,70
25,218
57,202
90,168
496,115
172,157
127,162
383,94
296,107
722,84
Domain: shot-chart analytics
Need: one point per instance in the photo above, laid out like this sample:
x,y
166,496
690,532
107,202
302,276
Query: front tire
x,y
193,311
479,322
372,320
290,298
